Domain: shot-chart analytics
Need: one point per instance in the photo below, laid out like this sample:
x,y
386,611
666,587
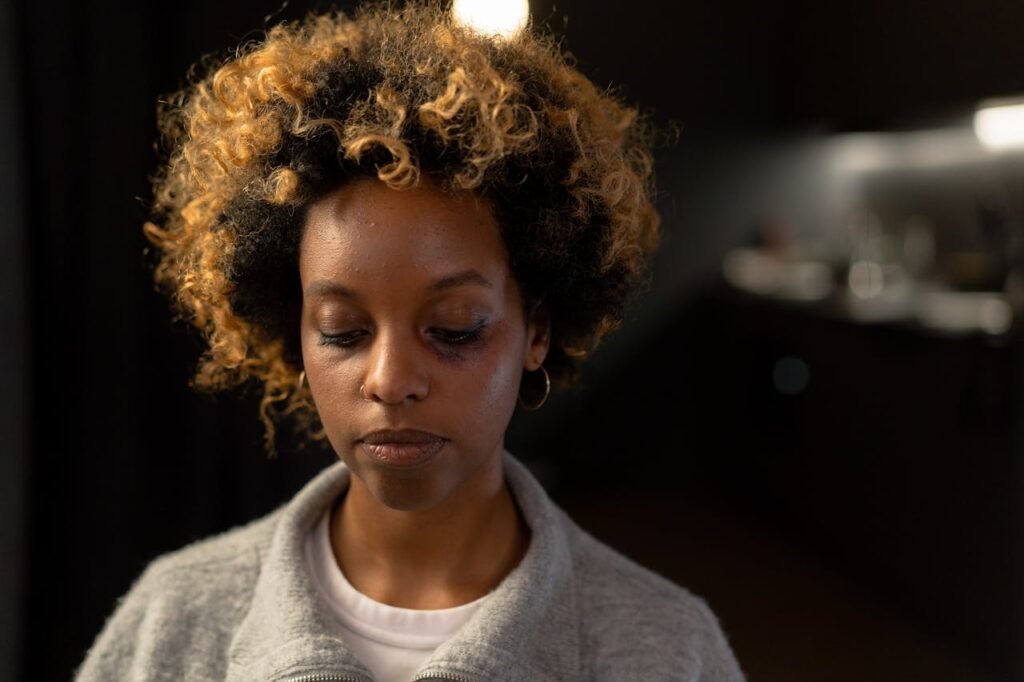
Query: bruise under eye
x,y
452,341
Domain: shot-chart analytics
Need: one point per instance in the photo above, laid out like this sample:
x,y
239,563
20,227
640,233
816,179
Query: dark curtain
x,y
126,461
14,347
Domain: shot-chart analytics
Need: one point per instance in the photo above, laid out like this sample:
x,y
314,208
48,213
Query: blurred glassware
x,y
764,273
961,312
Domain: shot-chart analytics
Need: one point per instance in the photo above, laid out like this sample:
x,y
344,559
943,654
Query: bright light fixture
x,y
503,18
1000,124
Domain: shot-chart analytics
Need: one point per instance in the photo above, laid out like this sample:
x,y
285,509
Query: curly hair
x,y
392,93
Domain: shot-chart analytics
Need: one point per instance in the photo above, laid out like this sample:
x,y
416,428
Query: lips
x,y
401,448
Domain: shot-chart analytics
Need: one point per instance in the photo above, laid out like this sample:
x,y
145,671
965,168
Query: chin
x,y
403,493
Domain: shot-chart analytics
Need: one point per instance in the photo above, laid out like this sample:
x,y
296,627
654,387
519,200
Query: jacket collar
x,y
526,631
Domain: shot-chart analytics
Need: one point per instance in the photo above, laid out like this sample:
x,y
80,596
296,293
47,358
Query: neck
x,y
444,556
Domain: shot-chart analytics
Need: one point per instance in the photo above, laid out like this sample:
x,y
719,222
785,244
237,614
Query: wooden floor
x,y
787,617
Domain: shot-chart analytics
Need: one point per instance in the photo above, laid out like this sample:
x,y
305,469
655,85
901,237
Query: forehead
x,y
368,231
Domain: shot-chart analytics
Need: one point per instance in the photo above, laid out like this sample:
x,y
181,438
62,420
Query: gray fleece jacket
x,y
242,606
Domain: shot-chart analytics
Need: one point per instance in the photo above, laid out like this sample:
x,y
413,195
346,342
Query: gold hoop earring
x,y
543,399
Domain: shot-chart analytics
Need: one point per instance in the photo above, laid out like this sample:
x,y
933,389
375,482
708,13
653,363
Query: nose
x,y
395,374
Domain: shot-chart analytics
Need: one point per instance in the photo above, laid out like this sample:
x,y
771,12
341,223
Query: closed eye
x,y
459,337
342,340
451,337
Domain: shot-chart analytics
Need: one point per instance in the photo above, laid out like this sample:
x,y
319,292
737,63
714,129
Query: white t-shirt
x,y
392,642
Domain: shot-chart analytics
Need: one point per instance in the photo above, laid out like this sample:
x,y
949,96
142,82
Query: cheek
x,y
332,384
334,388
493,376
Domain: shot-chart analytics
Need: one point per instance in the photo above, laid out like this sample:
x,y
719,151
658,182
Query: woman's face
x,y
413,337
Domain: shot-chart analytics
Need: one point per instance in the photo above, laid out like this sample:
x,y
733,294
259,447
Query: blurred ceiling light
x,y
503,18
917,149
1000,124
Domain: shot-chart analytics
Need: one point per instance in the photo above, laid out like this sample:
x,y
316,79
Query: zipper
x,y
441,676
326,677
333,677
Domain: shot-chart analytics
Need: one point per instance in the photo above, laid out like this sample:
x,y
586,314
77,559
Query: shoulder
x,y
635,622
215,573
188,600
224,558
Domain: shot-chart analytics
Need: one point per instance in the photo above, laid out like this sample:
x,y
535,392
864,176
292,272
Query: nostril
x,y
372,397
396,373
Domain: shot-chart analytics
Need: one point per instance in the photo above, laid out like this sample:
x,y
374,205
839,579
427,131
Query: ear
x,y
538,337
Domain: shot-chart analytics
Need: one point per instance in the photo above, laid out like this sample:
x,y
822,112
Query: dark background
x,y
868,528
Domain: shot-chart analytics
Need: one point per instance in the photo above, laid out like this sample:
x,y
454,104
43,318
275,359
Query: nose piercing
x,y
362,393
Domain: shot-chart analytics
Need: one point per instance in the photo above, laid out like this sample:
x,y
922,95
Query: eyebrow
x,y
328,289
460,279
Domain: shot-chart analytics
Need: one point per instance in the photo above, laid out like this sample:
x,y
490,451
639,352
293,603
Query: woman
x,y
402,228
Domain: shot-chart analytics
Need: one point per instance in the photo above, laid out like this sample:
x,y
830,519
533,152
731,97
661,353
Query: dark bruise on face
x,y
413,337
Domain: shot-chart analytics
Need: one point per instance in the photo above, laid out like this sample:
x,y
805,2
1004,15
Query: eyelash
x,y
450,337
